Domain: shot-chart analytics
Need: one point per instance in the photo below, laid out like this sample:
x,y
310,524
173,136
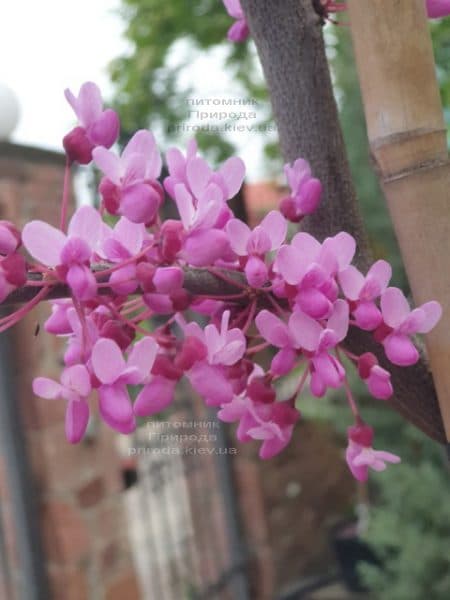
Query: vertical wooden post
x,y
407,138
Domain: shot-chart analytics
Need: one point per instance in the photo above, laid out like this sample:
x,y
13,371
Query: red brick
x,y
65,535
91,493
124,587
68,584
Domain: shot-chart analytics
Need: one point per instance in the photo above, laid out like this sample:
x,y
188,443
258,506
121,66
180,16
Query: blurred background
x,y
149,517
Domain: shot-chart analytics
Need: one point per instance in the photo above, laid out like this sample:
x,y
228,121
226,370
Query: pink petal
x,y
185,205
338,321
77,419
273,329
77,379
107,360
305,330
154,397
437,8
143,142
367,316
115,403
343,247
82,282
105,130
211,383
43,242
168,279
203,248
198,175
47,388
381,272
130,235
139,203
108,163
142,356
275,225
433,312
87,225
256,272
238,233
351,282
284,361
234,8
123,280
133,166
176,163
290,265
89,104
395,307
239,31
233,173
400,350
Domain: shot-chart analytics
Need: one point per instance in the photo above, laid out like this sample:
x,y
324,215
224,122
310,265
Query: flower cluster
x,y
239,31
292,298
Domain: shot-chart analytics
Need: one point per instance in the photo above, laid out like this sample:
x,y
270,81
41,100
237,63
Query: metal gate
x,y
181,508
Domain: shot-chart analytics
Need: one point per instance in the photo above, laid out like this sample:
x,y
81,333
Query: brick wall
x,y
78,488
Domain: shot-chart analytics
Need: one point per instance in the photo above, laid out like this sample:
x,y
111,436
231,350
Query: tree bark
x,y
408,140
289,40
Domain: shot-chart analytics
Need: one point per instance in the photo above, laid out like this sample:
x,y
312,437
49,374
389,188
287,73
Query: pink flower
x,y
75,387
305,191
402,322
71,253
362,291
377,379
311,267
196,175
254,245
326,370
360,455
437,8
130,187
224,347
114,374
97,127
202,243
239,31
13,273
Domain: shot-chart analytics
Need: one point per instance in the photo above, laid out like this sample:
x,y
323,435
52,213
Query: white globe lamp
x,y
9,112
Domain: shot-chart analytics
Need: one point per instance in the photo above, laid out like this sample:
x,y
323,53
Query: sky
x,y
49,45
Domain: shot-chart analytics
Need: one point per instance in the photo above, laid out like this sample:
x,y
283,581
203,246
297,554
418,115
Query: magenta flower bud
x,y
165,367
10,238
121,333
171,239
168,279
110,194
144,274
361,434
365,363
181,300
191,351
78,146
289,210
256,272
259,391
14,268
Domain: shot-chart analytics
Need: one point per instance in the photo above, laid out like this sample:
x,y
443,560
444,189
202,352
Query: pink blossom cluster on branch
x,y
239,31
296,298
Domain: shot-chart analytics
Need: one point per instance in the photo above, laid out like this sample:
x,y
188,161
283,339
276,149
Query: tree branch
x,y
288,36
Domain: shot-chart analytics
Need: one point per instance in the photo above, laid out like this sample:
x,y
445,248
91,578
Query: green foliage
x,y
152,80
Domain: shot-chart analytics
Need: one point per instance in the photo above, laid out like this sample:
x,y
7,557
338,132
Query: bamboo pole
x,y
408,142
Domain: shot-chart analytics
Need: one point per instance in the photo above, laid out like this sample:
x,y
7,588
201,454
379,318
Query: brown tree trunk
x,y
288,37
